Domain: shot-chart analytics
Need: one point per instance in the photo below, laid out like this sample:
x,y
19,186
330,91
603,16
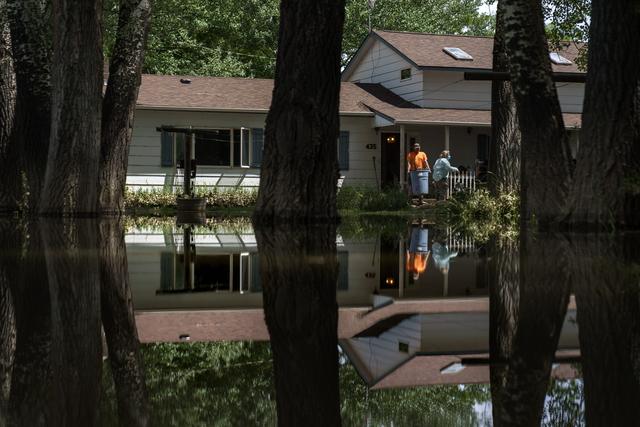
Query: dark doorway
x,y
390,159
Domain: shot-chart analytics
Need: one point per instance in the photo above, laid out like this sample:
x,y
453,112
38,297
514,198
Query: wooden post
x,y
189,143
446,137
403,159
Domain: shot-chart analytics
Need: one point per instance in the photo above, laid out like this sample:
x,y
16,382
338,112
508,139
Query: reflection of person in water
x,y
417,263
442,255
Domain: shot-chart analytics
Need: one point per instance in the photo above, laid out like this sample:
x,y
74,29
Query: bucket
x,y
419,240
419,182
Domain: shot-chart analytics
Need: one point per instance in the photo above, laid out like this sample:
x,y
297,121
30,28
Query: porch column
x,y
446,137
403,156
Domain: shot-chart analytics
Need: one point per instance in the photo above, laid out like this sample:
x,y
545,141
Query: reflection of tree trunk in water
x,y
607,274
299,272
120,329
31,380
542,305
76,356
8,234
504,288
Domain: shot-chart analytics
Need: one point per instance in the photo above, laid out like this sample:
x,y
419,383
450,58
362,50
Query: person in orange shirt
x,y
417,160
417,263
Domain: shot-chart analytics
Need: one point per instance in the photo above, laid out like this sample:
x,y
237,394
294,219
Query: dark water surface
x,y
381,322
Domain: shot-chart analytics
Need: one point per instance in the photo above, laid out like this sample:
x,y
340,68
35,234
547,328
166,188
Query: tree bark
x,y
70,249
71,179
120,328
504,154
608,301
546,169
119,103
542,305
504,303
299,270
26,156
607,191
7,312
300,170
7,85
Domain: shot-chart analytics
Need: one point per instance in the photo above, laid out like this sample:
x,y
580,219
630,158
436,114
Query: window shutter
x,y
167,271
343,150
166,150
256,151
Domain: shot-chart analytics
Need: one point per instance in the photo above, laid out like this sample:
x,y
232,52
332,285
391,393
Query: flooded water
x,y
380,322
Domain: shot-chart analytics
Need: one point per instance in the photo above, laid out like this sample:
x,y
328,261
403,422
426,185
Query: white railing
x,y
461,181
459,243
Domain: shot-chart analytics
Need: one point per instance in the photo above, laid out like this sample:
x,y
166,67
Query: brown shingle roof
x,y
223,93
254,95
425,50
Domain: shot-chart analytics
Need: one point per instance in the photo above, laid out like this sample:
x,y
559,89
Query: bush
x,y
371,199
479,214
231,198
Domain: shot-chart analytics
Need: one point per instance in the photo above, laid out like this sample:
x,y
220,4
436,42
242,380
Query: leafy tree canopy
x,y
239,38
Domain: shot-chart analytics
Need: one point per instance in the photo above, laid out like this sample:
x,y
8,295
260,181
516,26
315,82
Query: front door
x,y
390,158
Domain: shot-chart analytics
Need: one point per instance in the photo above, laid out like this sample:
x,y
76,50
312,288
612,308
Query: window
x,y
240,148
405,74
458,53
558,59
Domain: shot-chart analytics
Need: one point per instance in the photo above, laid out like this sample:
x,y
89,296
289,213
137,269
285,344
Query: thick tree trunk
x,y
7,86
71,179
542,305
31,378
504,288
299,168
299,271
546,157
119,102
26,157
504,154
119,327
8,254
607,191
76,350
608,301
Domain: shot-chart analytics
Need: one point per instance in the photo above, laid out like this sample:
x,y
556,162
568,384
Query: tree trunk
x,y
608,301
299,270
120,328
7,312
299,169
71,180
119,103
504,303
504,155
542,305
31,378
76,350
23,177
7,86
546,157
607,191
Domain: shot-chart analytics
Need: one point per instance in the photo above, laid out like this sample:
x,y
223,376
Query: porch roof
x,y
396,110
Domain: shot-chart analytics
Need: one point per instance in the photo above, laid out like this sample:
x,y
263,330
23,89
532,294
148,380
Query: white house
x,y
398,88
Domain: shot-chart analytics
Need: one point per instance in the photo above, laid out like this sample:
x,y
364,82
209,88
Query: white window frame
x,y
406,78
249,135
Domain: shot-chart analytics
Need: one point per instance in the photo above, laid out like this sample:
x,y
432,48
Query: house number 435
x,y
371,146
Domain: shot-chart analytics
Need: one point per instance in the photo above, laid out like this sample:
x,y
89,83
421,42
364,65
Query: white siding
x,y
145,170
381,64
448,89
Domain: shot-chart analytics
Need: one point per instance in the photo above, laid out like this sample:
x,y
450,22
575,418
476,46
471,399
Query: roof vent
x,y
185,81
458,53
556,58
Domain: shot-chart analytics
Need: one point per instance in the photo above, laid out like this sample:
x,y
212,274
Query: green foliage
x,y
568,21
216,198
240,224
363,227
239,38
370,199
479,215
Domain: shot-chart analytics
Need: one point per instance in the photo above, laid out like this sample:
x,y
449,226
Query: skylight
x,y
556,58
458,53
453,368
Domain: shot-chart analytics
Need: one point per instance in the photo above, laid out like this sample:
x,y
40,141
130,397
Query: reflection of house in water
x,y
222,270
407,350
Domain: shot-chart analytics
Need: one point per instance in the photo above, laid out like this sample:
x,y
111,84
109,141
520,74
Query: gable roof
x,y
425,51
